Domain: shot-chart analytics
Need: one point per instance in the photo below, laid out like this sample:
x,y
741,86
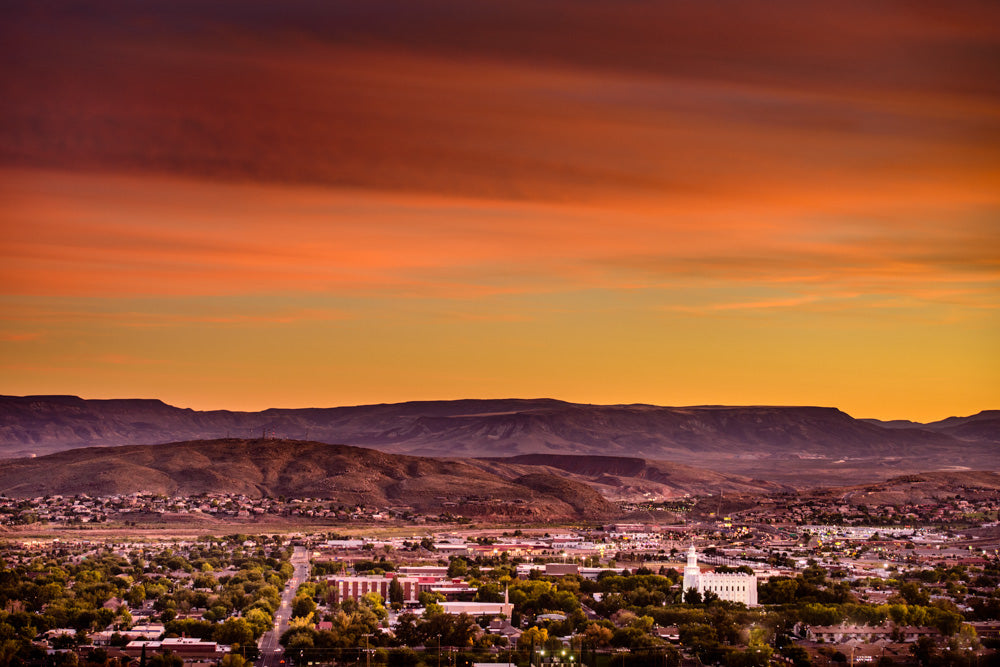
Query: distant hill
x,y
796,445
983,425
633,479
347,475
921,488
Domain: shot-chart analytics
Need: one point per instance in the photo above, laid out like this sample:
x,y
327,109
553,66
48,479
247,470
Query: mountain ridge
x,y
778,443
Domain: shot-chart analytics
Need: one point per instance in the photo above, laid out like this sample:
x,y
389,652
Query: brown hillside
x,y
924,487
631,479
339,473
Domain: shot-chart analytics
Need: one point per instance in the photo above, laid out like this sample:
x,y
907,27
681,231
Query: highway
x,y
271,654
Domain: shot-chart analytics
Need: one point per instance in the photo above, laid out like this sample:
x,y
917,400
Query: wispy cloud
x,y
18,337
160,314
766,304
82,242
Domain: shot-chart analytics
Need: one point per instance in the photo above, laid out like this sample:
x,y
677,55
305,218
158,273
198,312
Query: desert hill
x,y
919,488
632,479
799,445
342,474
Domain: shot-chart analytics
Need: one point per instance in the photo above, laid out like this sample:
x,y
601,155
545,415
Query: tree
x,y
458,567
700,638
191,627
798,655
778,590
302,606
752,657
8,649
634,638
166,659
301,623
234,631
946,621
98,656
692,596
924,650
136,595
913,594
426,598
532,637
396,593
260,621
598,635
232,660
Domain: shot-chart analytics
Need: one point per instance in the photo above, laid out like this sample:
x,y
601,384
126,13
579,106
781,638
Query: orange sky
x,y
251,204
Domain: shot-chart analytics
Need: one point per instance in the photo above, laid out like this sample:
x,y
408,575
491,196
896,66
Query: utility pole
x,y
368,655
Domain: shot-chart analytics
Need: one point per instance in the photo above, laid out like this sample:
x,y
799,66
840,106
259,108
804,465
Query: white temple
x,y
730,587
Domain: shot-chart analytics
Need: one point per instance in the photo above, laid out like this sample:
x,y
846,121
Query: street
x,y
271,654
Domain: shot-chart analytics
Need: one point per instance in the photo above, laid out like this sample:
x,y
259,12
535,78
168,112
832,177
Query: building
x,y
559,569
730,587
503,627
504,608
190,649
356,587
848,634
439,571
513,550
478,608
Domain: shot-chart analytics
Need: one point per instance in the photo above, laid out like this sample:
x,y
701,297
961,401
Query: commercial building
x,y
188,648
354,588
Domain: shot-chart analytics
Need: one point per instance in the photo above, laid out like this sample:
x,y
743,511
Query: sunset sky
x,y
243,204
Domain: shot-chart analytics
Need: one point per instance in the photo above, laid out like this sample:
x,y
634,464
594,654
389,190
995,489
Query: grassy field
x,y
176,528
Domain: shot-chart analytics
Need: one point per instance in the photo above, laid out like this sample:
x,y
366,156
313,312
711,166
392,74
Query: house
x,y
114,604
503,627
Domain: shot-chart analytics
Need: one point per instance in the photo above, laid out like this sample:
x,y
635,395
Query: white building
x,y
504,608
478,608
730,587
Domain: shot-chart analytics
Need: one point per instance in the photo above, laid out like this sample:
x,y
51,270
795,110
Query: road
x,y
271,654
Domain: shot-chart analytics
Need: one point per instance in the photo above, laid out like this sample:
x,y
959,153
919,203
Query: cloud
x,y
118,359
118,236
160,313
767,304
503,147
511,100
19,337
